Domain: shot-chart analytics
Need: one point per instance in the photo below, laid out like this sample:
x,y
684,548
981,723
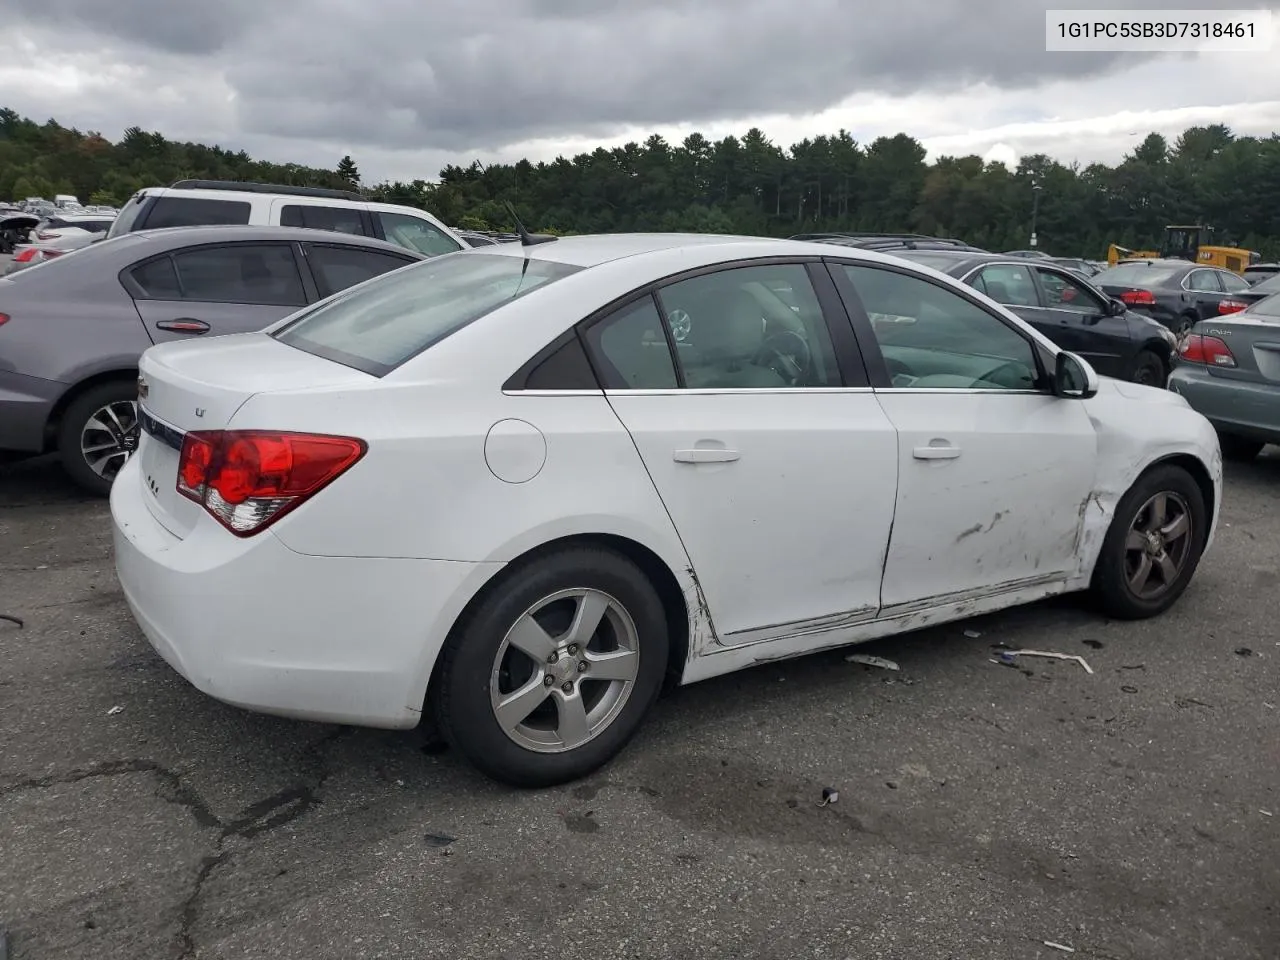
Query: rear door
x,y
216,289
1204,291
1083,323
336,267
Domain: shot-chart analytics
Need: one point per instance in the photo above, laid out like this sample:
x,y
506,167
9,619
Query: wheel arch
x,y
54,422
1198,470
656,570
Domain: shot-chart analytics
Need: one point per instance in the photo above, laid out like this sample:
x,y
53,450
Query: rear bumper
x,y
25,405
259,626
1243,409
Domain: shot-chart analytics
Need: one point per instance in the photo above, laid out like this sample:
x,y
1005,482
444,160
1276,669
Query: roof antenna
x,y
527,239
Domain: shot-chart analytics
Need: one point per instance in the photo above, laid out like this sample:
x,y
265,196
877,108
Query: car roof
x,y
170,237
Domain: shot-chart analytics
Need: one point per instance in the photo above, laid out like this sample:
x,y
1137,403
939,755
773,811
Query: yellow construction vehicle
x,y
1184,243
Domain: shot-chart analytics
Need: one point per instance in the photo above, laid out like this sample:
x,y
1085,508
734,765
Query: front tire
x,y
550,677
1153,546
98,435
1149,370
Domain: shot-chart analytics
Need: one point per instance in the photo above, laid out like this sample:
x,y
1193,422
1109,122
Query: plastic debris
x,y
869,661
1243,652
439,839
973,634
115,710
1045,653
829,796
1059,946
17,620
1266,813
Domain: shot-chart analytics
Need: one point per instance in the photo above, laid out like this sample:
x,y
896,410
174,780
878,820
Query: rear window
x,y
1134,274
196,212
378,326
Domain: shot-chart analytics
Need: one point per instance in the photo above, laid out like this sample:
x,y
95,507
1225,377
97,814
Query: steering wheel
x,y
787,354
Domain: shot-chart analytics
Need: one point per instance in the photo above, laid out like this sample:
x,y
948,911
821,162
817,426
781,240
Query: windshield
x,y
1134,274
378,325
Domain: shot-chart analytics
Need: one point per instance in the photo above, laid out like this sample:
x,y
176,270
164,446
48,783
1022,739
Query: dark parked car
x,y
1084,268
1229,370
1177,293
1255,273
72,329
1066,308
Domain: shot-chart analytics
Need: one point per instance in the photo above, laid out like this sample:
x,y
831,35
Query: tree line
x,y
743,185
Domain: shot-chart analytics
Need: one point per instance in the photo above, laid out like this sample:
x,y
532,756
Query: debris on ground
x,y
869,661
1007,655
972,634
1095,644
1243,652
115,710
829,796
11,619
1059,946
439,839
1266,813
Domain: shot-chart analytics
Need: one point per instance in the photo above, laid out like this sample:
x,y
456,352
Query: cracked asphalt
x,y
982,810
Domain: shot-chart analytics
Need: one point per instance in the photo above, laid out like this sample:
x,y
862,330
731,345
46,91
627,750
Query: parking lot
x,y
983,809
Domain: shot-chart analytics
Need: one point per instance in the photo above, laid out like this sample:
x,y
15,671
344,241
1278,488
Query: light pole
x,y
1035,209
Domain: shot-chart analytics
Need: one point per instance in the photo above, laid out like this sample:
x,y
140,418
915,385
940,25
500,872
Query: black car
x,y
1082,267
1177,293
1067,309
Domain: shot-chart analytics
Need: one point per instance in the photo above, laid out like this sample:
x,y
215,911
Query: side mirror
x,y
1073,378
1116,308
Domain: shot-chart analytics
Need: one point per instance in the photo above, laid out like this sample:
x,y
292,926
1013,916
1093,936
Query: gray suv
x,y
72,329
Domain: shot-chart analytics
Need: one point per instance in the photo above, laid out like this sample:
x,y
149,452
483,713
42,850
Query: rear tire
x,y
1239,448
560,720
1149,370
1144,566
104,421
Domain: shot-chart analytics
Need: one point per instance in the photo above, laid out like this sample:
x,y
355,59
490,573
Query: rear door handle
x,y
705,455
936,453
184,325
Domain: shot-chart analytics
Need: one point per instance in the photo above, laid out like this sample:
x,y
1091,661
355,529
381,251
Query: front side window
x,y
416,233
196,212
259,273
1062,292
1010,284
933,338
380,325
758,327
316,217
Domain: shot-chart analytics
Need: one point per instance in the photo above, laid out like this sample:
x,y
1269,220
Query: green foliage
x,y
742,185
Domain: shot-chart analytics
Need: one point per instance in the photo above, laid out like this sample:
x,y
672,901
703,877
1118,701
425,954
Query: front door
x,y
773,458
1084,323
994,471
211,290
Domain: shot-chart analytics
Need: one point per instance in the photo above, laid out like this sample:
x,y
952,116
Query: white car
x,y
520,486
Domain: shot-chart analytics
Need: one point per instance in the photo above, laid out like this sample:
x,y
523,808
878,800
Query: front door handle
x,y
184,325
706,455
939,452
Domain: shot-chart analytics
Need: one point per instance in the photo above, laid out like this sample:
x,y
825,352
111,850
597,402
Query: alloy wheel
x,y
110,437
564,670
1157,545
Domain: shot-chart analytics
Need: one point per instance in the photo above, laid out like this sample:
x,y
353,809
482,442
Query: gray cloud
x,y
461,75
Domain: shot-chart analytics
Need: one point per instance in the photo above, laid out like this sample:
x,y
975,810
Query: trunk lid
x,y
1254,342
196,385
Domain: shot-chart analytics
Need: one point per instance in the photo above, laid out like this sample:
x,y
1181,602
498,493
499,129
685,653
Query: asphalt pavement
x,y
983,809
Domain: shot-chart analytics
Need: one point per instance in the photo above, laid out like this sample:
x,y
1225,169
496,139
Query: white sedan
x,y
520,486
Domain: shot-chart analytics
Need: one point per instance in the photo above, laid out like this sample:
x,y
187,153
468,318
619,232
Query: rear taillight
x,y
248,479
1138,298
4,318
1230,306
27,255
1197,348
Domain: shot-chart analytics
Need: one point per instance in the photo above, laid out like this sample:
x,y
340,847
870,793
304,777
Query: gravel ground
x,y
983,809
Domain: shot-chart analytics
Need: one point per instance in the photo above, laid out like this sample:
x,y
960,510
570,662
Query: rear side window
x,y
196,212
377,327
260,273
415,233
157,280
336,268
337,219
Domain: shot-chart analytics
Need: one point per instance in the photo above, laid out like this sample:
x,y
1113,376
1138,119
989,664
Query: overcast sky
x,y
406,86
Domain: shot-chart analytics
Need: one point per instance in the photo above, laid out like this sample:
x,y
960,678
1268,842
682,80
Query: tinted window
x,y
157,280
1066,293
416,234
1233,283
1203,281
241,273
377,327
336,268
127,216
566,369
750,328
196,212
90,226
337,219
631,349
1007,283
933,338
